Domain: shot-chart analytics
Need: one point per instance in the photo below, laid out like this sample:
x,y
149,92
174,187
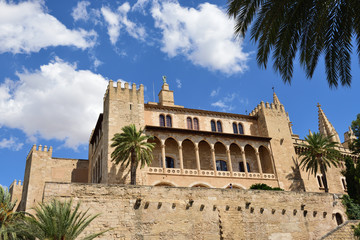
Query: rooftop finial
x,y
318,105
275,98
164,79
273,88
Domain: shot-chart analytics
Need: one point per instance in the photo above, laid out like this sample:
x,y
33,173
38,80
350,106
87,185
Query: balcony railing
x,y
210,173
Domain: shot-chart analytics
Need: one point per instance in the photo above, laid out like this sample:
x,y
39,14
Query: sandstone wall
x,y
343,232
15,190
41,167
144,212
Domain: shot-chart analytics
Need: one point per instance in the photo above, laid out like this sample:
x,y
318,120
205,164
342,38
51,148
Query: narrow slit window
x,y
219,127
213,126
162,120
241,129
235,128
319,181
168,121
196,124
189,123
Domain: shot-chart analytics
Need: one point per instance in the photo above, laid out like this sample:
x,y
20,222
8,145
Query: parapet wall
x,y
145,212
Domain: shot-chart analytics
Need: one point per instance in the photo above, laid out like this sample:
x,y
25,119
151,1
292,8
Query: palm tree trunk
x,y
133,167
322,169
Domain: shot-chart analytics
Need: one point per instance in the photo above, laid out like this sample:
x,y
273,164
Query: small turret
x,y
325,127
166,97
349,137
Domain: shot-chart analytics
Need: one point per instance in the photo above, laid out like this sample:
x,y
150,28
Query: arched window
x,y
241,167
213,126
235,128
162,120
169,162
168,121
221,165
189,123
219,127
241,129
339,219
319,179
196,124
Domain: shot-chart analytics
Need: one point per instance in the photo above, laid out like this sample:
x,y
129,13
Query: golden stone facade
x,y
194,148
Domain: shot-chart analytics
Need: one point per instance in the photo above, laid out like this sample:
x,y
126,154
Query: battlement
x,y
112,89
40,148
266,107
16,183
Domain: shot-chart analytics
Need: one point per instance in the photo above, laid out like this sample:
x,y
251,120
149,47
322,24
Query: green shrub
x,y
352,209
262,186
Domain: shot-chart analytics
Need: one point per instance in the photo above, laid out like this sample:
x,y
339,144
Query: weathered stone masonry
x,y
145,212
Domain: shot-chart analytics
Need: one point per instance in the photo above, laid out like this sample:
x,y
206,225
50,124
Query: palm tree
x,y
309,27
131,147
57,221
320,154
8,217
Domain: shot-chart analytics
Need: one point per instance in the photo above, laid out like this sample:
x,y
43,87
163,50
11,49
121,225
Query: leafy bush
x,y
263,186
352,209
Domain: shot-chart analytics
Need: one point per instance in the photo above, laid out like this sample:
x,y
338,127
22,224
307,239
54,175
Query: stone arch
x,y
156,162
220,153
202,185
205,155
265,159
339,218
172,151
164,184
236,157
235,185
251,158
188,149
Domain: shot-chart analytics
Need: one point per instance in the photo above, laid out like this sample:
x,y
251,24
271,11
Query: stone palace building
x,y
194,148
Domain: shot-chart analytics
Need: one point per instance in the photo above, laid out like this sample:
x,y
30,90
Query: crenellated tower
x,y
35,174
274,122
122,106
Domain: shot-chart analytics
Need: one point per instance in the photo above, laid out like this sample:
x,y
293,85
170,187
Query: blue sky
x,y
57,56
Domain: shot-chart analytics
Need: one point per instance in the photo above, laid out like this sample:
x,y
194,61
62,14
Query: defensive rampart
x,y
145,212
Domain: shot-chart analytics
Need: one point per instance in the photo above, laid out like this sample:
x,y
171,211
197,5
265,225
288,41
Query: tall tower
x,y
326,128
122,106
274,122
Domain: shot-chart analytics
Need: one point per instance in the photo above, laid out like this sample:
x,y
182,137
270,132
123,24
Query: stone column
x,y
244,160
163,156
229,160
258,162
181,157
197,157
213,158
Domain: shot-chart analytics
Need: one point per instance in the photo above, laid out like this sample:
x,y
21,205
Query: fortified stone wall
x,y
344,232
144,212
41,167
15,191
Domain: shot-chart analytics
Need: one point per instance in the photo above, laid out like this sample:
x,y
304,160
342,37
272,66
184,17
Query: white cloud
x,y
58,101
203,35
80,12
215,92
26,27
225,104
178,83
140,6
11,143
118,19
